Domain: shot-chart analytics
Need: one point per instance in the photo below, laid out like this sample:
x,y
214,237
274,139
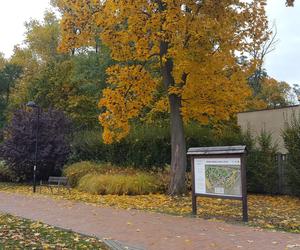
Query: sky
x,y
282,64
13,14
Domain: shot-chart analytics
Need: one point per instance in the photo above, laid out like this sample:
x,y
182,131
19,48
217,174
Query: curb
x,y
116,245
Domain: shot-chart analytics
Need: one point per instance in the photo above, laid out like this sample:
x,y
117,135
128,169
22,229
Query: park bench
x,y
58,182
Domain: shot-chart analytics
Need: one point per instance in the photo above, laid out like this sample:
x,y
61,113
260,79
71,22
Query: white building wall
x,y
273,121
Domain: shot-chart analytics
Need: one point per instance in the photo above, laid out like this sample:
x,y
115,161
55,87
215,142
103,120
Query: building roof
x,y
270,109
240,149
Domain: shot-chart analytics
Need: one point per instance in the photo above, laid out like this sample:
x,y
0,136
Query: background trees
x,y
275,94
8,77
71,83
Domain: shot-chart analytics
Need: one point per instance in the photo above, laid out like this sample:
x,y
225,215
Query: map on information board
x,y
218,176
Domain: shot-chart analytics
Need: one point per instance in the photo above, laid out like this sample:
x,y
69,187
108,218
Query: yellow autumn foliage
x,y
188,48
124,99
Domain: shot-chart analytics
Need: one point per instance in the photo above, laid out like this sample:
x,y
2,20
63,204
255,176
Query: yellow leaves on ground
x,y
16,233
272,212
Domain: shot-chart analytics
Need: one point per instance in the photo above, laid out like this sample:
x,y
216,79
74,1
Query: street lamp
x,y
33,105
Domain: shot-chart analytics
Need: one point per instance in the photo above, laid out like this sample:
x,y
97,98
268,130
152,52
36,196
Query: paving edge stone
x,y
116,245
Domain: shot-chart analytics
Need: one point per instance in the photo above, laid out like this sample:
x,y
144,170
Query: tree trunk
x,y
178,147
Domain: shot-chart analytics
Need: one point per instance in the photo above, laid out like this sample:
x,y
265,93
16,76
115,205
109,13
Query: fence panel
x,y
282,168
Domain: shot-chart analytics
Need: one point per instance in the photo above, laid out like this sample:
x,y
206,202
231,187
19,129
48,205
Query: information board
x,y
218,176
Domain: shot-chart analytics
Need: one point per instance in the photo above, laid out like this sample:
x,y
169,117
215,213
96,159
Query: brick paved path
x,y
144,229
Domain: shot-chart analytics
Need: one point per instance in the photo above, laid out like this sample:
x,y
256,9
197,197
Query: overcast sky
x,y
282,64
13,14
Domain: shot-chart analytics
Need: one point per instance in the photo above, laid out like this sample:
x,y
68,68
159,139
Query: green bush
x,y
228,136
145,146
262,174
291,136
87,145
102,184
6,174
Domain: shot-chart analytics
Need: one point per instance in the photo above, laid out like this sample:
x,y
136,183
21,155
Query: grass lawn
x,y
16,233
265,211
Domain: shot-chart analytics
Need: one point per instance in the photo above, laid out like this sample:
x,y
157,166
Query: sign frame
x,y
219,153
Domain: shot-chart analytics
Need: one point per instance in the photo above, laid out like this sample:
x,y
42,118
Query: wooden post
x,y
244,188
194,204
245,209
194,198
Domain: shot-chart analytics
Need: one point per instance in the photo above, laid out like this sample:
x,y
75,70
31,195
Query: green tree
x,y
291,136
71,83
9,74
261,163
42,37
2,60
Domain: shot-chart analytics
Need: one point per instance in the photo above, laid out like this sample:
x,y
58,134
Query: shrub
x,y
291,136
6,174
262,175
138,184
77,170
144,147
87,145
228,135
18,148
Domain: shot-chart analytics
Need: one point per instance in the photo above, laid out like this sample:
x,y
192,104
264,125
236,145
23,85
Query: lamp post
x,y
33,105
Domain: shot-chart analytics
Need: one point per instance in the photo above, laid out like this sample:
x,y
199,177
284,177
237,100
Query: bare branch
x,y
289,3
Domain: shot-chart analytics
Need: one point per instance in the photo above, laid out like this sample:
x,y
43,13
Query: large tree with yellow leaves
x,y
181,56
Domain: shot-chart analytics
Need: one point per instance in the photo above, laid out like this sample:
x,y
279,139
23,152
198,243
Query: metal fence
x,y
282,168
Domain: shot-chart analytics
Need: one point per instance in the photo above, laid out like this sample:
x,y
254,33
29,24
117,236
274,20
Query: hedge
x,y
147,147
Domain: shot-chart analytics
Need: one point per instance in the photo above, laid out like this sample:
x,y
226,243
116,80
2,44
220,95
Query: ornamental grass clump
x,y
119,184
77,170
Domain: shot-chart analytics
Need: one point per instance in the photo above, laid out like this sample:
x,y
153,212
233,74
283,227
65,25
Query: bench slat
x,y
58,180
55,181
54,178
